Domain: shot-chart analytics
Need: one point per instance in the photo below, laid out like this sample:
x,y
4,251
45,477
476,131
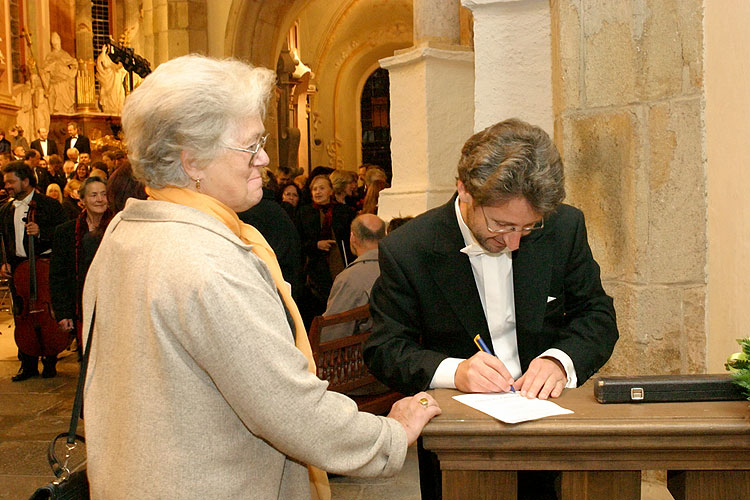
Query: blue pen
x,y
483,347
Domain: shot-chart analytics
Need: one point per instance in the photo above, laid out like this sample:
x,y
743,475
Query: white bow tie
x,y
18,203
474,249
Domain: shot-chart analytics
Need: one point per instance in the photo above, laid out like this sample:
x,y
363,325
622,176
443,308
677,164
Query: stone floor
x,y
34,411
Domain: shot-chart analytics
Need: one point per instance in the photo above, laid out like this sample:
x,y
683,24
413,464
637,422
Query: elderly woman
x,y
73,249
324,228
200,381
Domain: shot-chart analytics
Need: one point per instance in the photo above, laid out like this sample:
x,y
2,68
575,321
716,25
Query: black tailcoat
x,y
425,305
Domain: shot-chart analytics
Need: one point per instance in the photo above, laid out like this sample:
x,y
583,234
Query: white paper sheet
x,y
510,407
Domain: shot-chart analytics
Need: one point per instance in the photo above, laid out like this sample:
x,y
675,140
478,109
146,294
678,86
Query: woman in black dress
x,y
324,230
73,248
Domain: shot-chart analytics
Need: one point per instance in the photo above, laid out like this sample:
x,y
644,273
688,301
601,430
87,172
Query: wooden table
x,y
600,449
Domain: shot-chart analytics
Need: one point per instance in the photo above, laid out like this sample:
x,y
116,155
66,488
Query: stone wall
x,y
628,104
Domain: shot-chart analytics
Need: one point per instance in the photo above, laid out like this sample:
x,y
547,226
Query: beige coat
x,y
195,388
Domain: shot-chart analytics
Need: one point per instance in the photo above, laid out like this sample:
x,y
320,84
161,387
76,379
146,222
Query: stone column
x,y
8,108
512,46
179,28
432,110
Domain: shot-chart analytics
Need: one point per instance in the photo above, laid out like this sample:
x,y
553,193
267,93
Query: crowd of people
x,y
321,208
72,202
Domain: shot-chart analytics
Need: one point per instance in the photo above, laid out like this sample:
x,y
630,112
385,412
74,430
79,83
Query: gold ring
x,y
424,402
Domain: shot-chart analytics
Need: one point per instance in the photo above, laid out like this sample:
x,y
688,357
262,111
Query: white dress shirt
x,y
21,210
493,275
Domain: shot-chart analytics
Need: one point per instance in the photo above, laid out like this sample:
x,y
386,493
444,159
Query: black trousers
x,y
31,363
532,485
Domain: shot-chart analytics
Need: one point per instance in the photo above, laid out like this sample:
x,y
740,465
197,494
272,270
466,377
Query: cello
x,y
36,333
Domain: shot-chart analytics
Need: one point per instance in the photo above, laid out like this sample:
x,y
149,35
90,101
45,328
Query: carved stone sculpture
x,y
111,78
59,71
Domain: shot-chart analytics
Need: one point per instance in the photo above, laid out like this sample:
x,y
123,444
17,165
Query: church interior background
x,y
647,101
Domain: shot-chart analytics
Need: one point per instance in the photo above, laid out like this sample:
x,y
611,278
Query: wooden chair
x,y
340,361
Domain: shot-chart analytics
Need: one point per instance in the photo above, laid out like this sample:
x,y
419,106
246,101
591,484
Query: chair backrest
x,y
340,361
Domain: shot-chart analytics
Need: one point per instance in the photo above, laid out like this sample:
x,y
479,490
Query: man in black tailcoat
x,y
505,259
15,231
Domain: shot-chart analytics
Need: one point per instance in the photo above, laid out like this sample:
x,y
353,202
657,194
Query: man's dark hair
x,y
20,170
364,233
513,159
396,223
31,153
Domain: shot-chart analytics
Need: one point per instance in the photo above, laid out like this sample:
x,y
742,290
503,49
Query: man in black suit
x,y
504,259
15,231
44,144
76,140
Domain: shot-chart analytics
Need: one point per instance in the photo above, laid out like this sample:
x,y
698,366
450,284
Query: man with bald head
x,y
352,286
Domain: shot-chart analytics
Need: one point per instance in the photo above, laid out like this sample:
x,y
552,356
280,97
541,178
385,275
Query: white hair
x,y
192,103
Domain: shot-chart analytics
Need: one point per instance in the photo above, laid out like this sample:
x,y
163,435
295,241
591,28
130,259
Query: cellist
x,y
19,183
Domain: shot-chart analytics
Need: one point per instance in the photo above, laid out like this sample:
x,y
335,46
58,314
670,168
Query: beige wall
x,y
728,151
628,99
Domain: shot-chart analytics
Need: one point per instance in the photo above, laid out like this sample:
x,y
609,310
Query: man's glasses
x,y
511,229
253,149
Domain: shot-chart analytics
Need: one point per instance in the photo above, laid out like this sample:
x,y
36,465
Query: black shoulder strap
x,y
78,402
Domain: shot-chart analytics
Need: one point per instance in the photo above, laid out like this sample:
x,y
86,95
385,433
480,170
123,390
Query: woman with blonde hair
x,y
54,191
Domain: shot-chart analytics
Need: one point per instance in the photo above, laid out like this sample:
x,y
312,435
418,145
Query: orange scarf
x,y
319,488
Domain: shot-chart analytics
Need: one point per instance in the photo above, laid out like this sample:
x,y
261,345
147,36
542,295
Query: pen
x,y
483,347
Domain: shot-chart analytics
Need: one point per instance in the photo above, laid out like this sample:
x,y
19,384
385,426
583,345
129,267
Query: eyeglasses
x,y
512,229
253,149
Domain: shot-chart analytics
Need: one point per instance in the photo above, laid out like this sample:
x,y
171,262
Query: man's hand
x,y
325,245
545,378
482,372
5,271
413,415
32,228
66,325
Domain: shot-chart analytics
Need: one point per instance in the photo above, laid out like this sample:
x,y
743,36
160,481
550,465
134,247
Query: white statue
x,y
22,97
111,83
59,71
40,103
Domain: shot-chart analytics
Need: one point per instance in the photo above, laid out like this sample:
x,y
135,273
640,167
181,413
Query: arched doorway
x,y
375,119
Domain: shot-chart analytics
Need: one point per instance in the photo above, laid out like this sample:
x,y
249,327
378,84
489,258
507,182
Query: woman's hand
x,y
413,413
66,325
326,245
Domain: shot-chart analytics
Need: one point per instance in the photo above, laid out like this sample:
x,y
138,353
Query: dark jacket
x,y
316,271
49,216
51,146
278,229
83,145
65,284
425,305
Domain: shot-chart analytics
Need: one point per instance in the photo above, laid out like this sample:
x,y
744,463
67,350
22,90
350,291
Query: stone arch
x,y
344,41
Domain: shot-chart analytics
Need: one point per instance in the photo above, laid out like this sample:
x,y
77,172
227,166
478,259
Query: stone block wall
x,y
629,121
